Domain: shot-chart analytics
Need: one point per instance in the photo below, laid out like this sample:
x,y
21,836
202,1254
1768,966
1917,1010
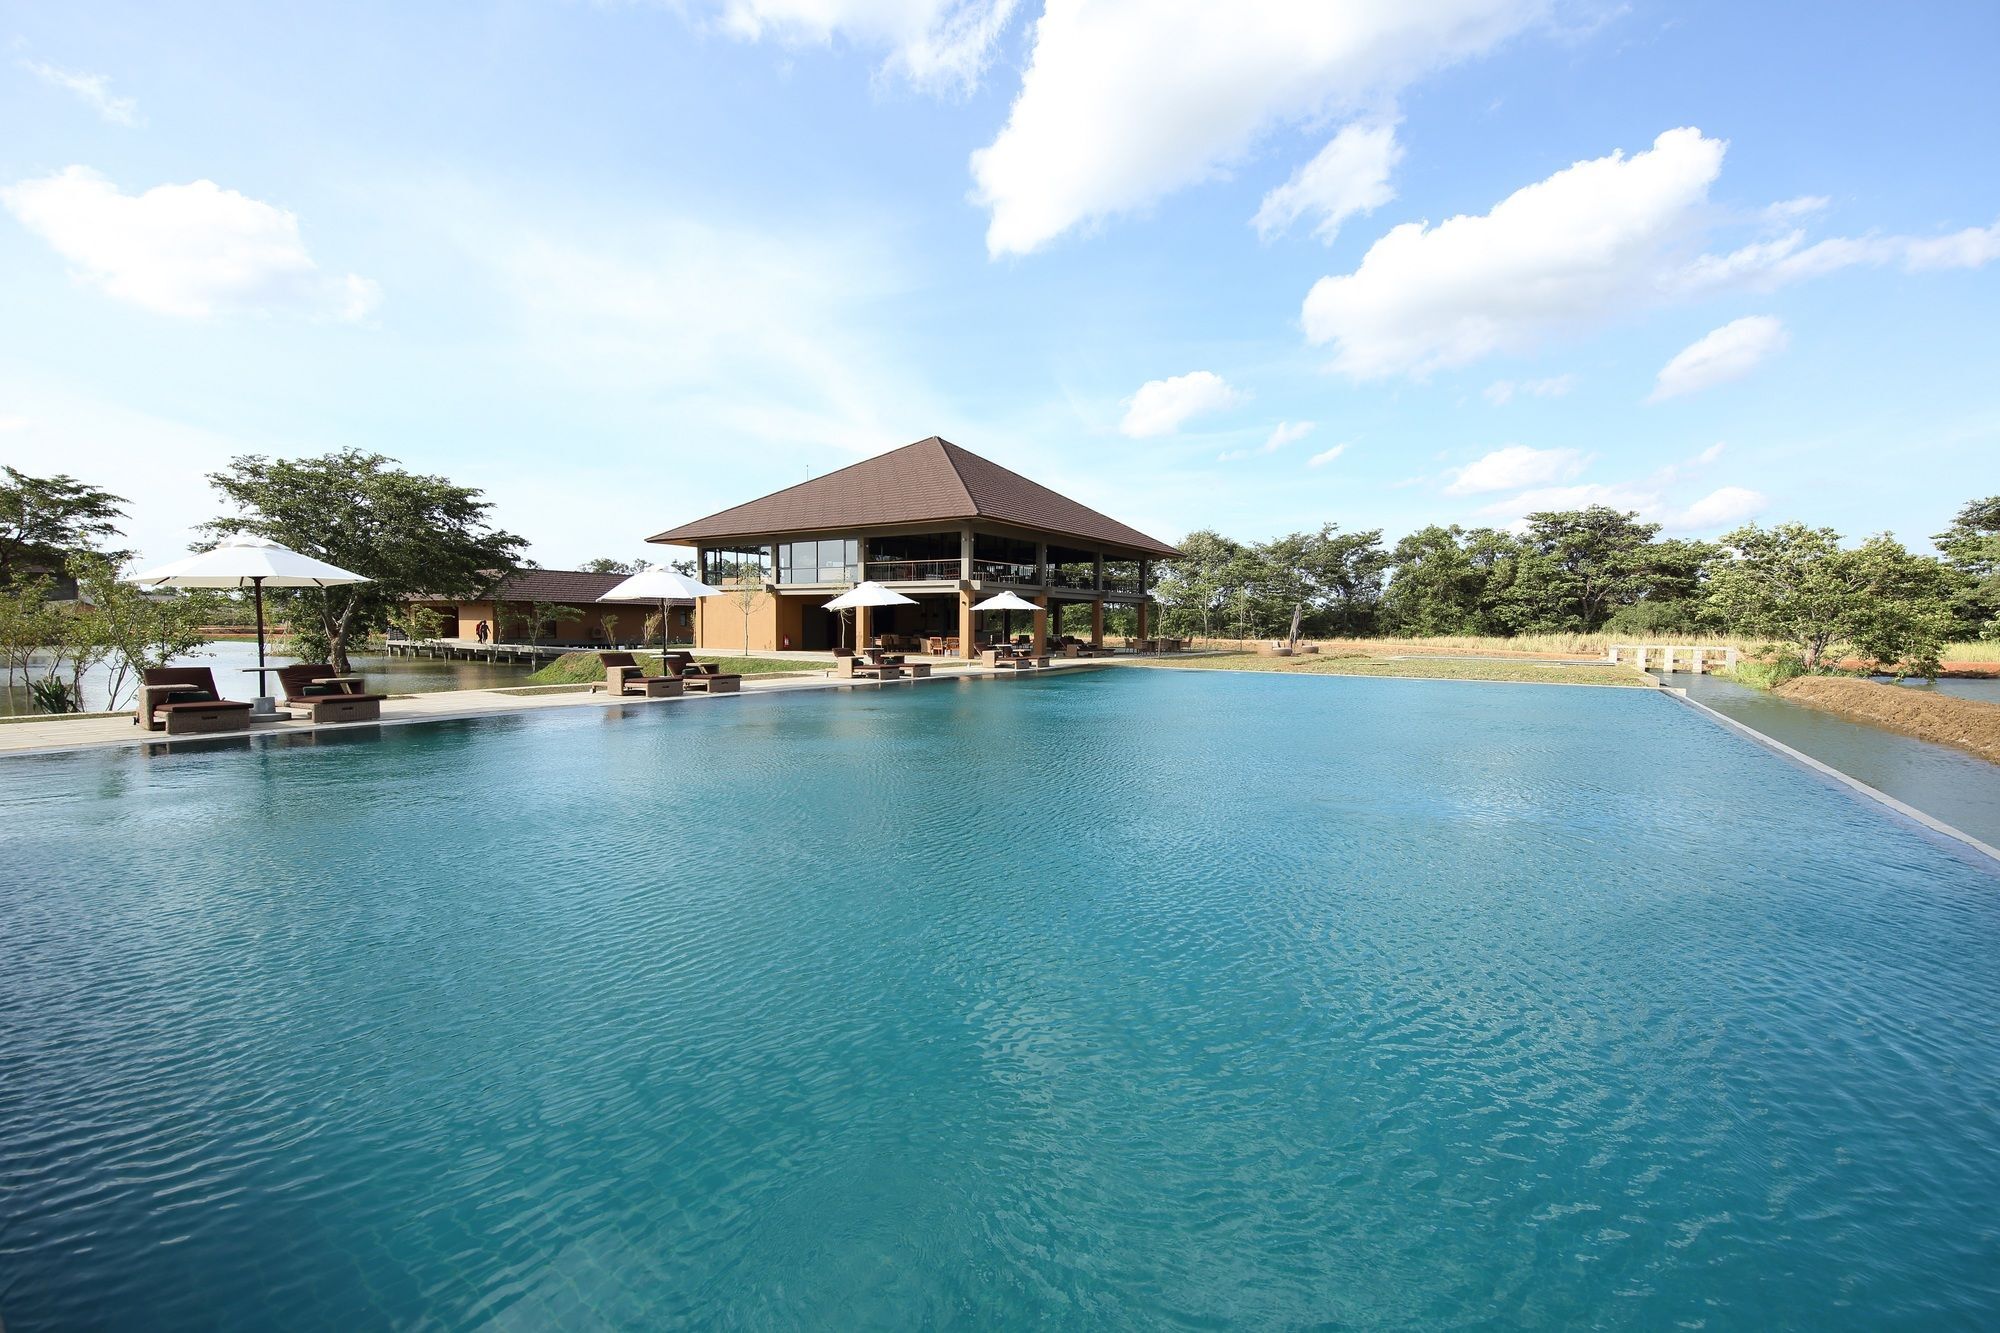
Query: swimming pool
x,y
1125,999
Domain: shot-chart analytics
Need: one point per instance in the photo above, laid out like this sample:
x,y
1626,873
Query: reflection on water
x,y
1985,691
1958,788
1122,999
230,661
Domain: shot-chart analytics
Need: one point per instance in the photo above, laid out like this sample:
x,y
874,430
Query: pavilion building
x,y
931,520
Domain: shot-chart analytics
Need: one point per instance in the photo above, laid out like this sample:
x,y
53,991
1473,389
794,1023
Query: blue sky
x,y
1256,266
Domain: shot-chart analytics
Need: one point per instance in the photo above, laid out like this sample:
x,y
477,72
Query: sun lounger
x,y
185,701
623,675
855,668
326,697
704,676
685,665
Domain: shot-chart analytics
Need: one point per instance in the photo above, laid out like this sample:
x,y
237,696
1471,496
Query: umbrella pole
x,y
257,596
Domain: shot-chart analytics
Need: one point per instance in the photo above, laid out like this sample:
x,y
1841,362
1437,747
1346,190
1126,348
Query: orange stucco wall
x,y
720,627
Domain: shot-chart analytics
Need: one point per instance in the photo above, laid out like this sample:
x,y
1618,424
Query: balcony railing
x,y
913,571
1005,571
1072,576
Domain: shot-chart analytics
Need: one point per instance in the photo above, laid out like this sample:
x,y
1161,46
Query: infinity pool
x,y
1130,999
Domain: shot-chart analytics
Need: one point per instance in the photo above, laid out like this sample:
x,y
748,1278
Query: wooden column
x,y
861,619
1097,623
1040,643
1143,607
965,645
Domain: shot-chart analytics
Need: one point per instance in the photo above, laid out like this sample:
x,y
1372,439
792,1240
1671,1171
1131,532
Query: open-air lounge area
x,y
946,531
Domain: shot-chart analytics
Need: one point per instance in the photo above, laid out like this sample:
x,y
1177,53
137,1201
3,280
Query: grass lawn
x,y
584,668
1416,668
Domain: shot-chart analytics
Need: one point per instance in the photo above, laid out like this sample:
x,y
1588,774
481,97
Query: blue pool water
x,y
1130,999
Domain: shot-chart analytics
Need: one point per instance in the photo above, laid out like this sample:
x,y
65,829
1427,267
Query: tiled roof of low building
x,y
569,587
930,481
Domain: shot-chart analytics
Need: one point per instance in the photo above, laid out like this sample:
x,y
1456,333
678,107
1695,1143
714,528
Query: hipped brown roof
x,y
566,586
930,481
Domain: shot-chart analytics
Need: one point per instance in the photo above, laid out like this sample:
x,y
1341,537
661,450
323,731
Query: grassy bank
x,y
1345,661
1965,724
584,668
1518,645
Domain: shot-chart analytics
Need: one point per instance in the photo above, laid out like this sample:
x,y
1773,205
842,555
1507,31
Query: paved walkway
x,y
89,733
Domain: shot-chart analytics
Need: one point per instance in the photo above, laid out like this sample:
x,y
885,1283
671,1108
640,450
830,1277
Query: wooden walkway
x,y
458,650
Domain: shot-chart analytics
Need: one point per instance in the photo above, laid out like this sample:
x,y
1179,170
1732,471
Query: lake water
x,y
1953,785
228,658
1123,999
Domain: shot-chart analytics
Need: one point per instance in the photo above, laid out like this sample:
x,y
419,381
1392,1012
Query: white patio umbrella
x,y
256,564
658,582
1008,603
867,593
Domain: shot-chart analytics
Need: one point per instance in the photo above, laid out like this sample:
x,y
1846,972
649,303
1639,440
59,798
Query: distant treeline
x,y
1599,569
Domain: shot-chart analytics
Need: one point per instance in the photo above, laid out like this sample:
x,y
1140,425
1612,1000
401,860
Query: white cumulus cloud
x,y
1286,432
1569,248
1513,467
1974,247
1161,406
190,250
1127,101
94,89
936,44
1501,392
1349,176
1728,353
1724,507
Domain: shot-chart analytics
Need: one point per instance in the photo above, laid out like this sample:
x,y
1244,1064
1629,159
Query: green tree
x,y
1436,588
747,591
1336,576
605,565
1574,566
46,520
409,533
1799,587
132,631
540,618
1195,588
414,621
1971,547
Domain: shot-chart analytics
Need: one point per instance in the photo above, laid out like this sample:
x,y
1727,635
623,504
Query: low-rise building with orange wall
x,y
572,611
933,521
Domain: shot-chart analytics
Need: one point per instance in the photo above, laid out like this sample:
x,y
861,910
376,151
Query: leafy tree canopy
x,y
46,520
410,533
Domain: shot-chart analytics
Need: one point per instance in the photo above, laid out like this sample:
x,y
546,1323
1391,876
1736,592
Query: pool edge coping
x,y
1848,780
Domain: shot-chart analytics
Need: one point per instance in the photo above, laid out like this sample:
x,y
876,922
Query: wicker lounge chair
x,y
335,701
703,676
185,701
855,668
623,675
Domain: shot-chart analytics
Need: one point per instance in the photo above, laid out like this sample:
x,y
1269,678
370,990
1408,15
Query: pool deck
x,y
57,736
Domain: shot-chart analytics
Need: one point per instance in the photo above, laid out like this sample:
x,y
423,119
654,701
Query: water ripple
x,y
1128,999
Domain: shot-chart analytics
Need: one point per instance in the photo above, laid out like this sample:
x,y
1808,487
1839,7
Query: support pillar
x,y
1700,661
861,627
965,644
1097,623
1040,640
1143,608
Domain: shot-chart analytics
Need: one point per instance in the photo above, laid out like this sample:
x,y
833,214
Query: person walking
x,y
480,630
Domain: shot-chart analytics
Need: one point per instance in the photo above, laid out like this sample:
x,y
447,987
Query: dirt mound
x,y
1965,723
